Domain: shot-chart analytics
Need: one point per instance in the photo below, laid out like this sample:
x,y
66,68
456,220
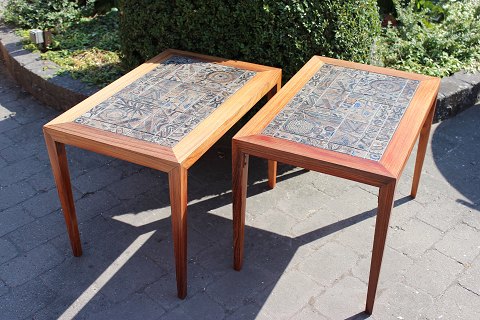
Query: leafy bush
x,y
421,44
272,32
41,14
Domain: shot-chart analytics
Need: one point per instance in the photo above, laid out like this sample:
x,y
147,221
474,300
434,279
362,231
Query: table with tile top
x,y
345,119
165,115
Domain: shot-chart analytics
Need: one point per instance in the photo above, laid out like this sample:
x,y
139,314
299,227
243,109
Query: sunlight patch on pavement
x,y
103,279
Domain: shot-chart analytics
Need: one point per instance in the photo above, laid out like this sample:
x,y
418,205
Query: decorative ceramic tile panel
x,y
345,110
167,103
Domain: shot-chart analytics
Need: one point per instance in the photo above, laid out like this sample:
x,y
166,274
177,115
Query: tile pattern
x,y
167,103
345,110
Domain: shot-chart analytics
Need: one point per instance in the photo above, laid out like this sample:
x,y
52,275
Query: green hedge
x,y
278,33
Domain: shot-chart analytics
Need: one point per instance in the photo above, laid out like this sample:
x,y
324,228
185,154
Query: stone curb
x,y
39,77
457,92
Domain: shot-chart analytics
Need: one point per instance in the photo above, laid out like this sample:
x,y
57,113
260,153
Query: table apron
x,y
325,167
106,149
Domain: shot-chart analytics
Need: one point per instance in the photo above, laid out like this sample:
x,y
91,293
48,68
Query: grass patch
x,y
87,50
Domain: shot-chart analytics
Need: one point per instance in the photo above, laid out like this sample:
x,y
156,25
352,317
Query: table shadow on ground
x,y
148,266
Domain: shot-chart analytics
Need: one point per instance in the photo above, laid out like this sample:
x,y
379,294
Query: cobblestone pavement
x,y
308,242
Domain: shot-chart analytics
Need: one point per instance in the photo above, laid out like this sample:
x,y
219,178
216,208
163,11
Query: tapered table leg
x,y
177,179
385,203
272,173
272,164
422,149
58,161
239,192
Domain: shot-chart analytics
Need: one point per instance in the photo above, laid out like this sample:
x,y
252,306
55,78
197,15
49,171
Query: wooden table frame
x,y
174,161
383,174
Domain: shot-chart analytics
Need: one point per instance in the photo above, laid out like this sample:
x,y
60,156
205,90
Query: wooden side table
x,y
345,119
165,115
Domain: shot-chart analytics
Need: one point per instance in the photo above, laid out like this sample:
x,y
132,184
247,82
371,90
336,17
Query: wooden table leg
x,y
58,161
239,192
421,150
272,164
385,203
272,173
177,179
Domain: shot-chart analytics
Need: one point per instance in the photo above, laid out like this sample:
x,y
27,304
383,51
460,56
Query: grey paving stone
x,y
163,290
138,183
247,282
456,303
404,209
39,231
100,238
359,236
3,288
96,179
313,220
330,185
138,306
7,124
96,304
329,263
345,299
356,202
442,215
16,152
30,110
217,259
29,266
433,273
13,218
136,274
211,224
82,161
20,170
276,253
457,185
471,277
3,163
202,307
93,204
394,267
75,275
7,250
249,311
43,180
298,202
462,243
413,239
25,300
26,132
65,304
290,294
139,212
5,142
309,312
176,314
272,220
42,203
471,217
402,302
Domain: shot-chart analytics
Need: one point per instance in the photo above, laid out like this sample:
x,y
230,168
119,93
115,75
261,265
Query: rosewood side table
x,y
165,115
345,119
